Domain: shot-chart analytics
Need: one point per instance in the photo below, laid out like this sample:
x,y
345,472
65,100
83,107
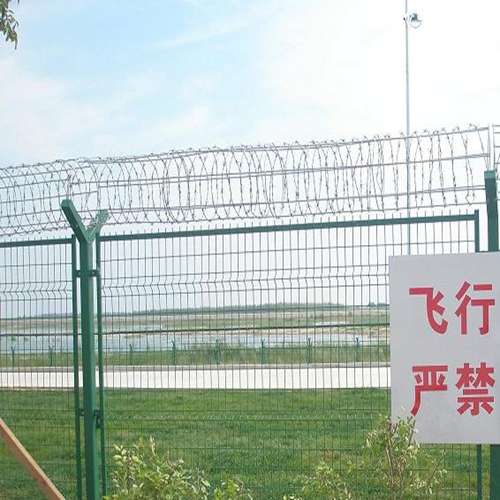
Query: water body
x,y
28,343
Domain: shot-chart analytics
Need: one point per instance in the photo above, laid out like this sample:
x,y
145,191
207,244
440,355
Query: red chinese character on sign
x,y
433,307
485,304
429,378
474,383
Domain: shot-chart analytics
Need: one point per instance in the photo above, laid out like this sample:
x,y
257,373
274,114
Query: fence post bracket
x,y
83,234
92,417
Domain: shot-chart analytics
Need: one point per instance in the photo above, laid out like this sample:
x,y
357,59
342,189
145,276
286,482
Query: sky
x,y
111,78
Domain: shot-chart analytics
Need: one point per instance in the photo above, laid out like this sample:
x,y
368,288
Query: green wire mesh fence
x,y
314,296
37,343
241,302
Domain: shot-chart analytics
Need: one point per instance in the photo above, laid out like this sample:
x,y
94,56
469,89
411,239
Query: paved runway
x,y
221,378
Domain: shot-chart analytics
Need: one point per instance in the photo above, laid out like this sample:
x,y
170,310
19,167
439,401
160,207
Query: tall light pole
x,y
411,21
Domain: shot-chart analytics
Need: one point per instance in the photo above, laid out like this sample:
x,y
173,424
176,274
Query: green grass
x,y
210,356
266,438
241,356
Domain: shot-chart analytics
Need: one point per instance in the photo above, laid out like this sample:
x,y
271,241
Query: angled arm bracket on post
x,y
83,234
91,416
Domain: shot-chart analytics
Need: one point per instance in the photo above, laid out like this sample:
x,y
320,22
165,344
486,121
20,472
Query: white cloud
x,y
332,65
336,69
324,69
200,34
176,132
38,117
454,79
42,119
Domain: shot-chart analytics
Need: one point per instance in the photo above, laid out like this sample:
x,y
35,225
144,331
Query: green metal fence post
x,y
100,351
309,351
12,356
51,356
88,365
217,351
174,348
492,211
91,416
262,351
479,448
76,373
130,354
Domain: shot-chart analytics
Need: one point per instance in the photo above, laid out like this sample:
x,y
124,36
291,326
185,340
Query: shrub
x,y
403,468
232,489
142,474
393,465
323,483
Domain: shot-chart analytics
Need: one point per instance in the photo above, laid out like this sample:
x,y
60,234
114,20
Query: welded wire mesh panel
x,y
260,351
36,364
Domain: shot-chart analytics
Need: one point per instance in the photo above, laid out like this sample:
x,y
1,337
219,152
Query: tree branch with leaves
x,y
8,23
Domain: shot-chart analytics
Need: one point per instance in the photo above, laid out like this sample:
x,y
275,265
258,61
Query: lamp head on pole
x,y
412,20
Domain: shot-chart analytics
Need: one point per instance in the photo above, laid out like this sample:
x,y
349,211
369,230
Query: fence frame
x,y
93,416
396,221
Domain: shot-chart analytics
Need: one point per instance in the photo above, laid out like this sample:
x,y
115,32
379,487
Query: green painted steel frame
x,y
91,415
493,246
100,364
76,374
35,243
296,227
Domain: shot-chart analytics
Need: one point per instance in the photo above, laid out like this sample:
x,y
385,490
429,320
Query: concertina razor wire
x,y
270,181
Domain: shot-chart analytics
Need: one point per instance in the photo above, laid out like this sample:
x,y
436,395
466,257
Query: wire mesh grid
x,y
263,350
36,363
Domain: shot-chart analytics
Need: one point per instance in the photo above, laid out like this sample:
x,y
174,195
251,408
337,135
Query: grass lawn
x,y
211,355
267,438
